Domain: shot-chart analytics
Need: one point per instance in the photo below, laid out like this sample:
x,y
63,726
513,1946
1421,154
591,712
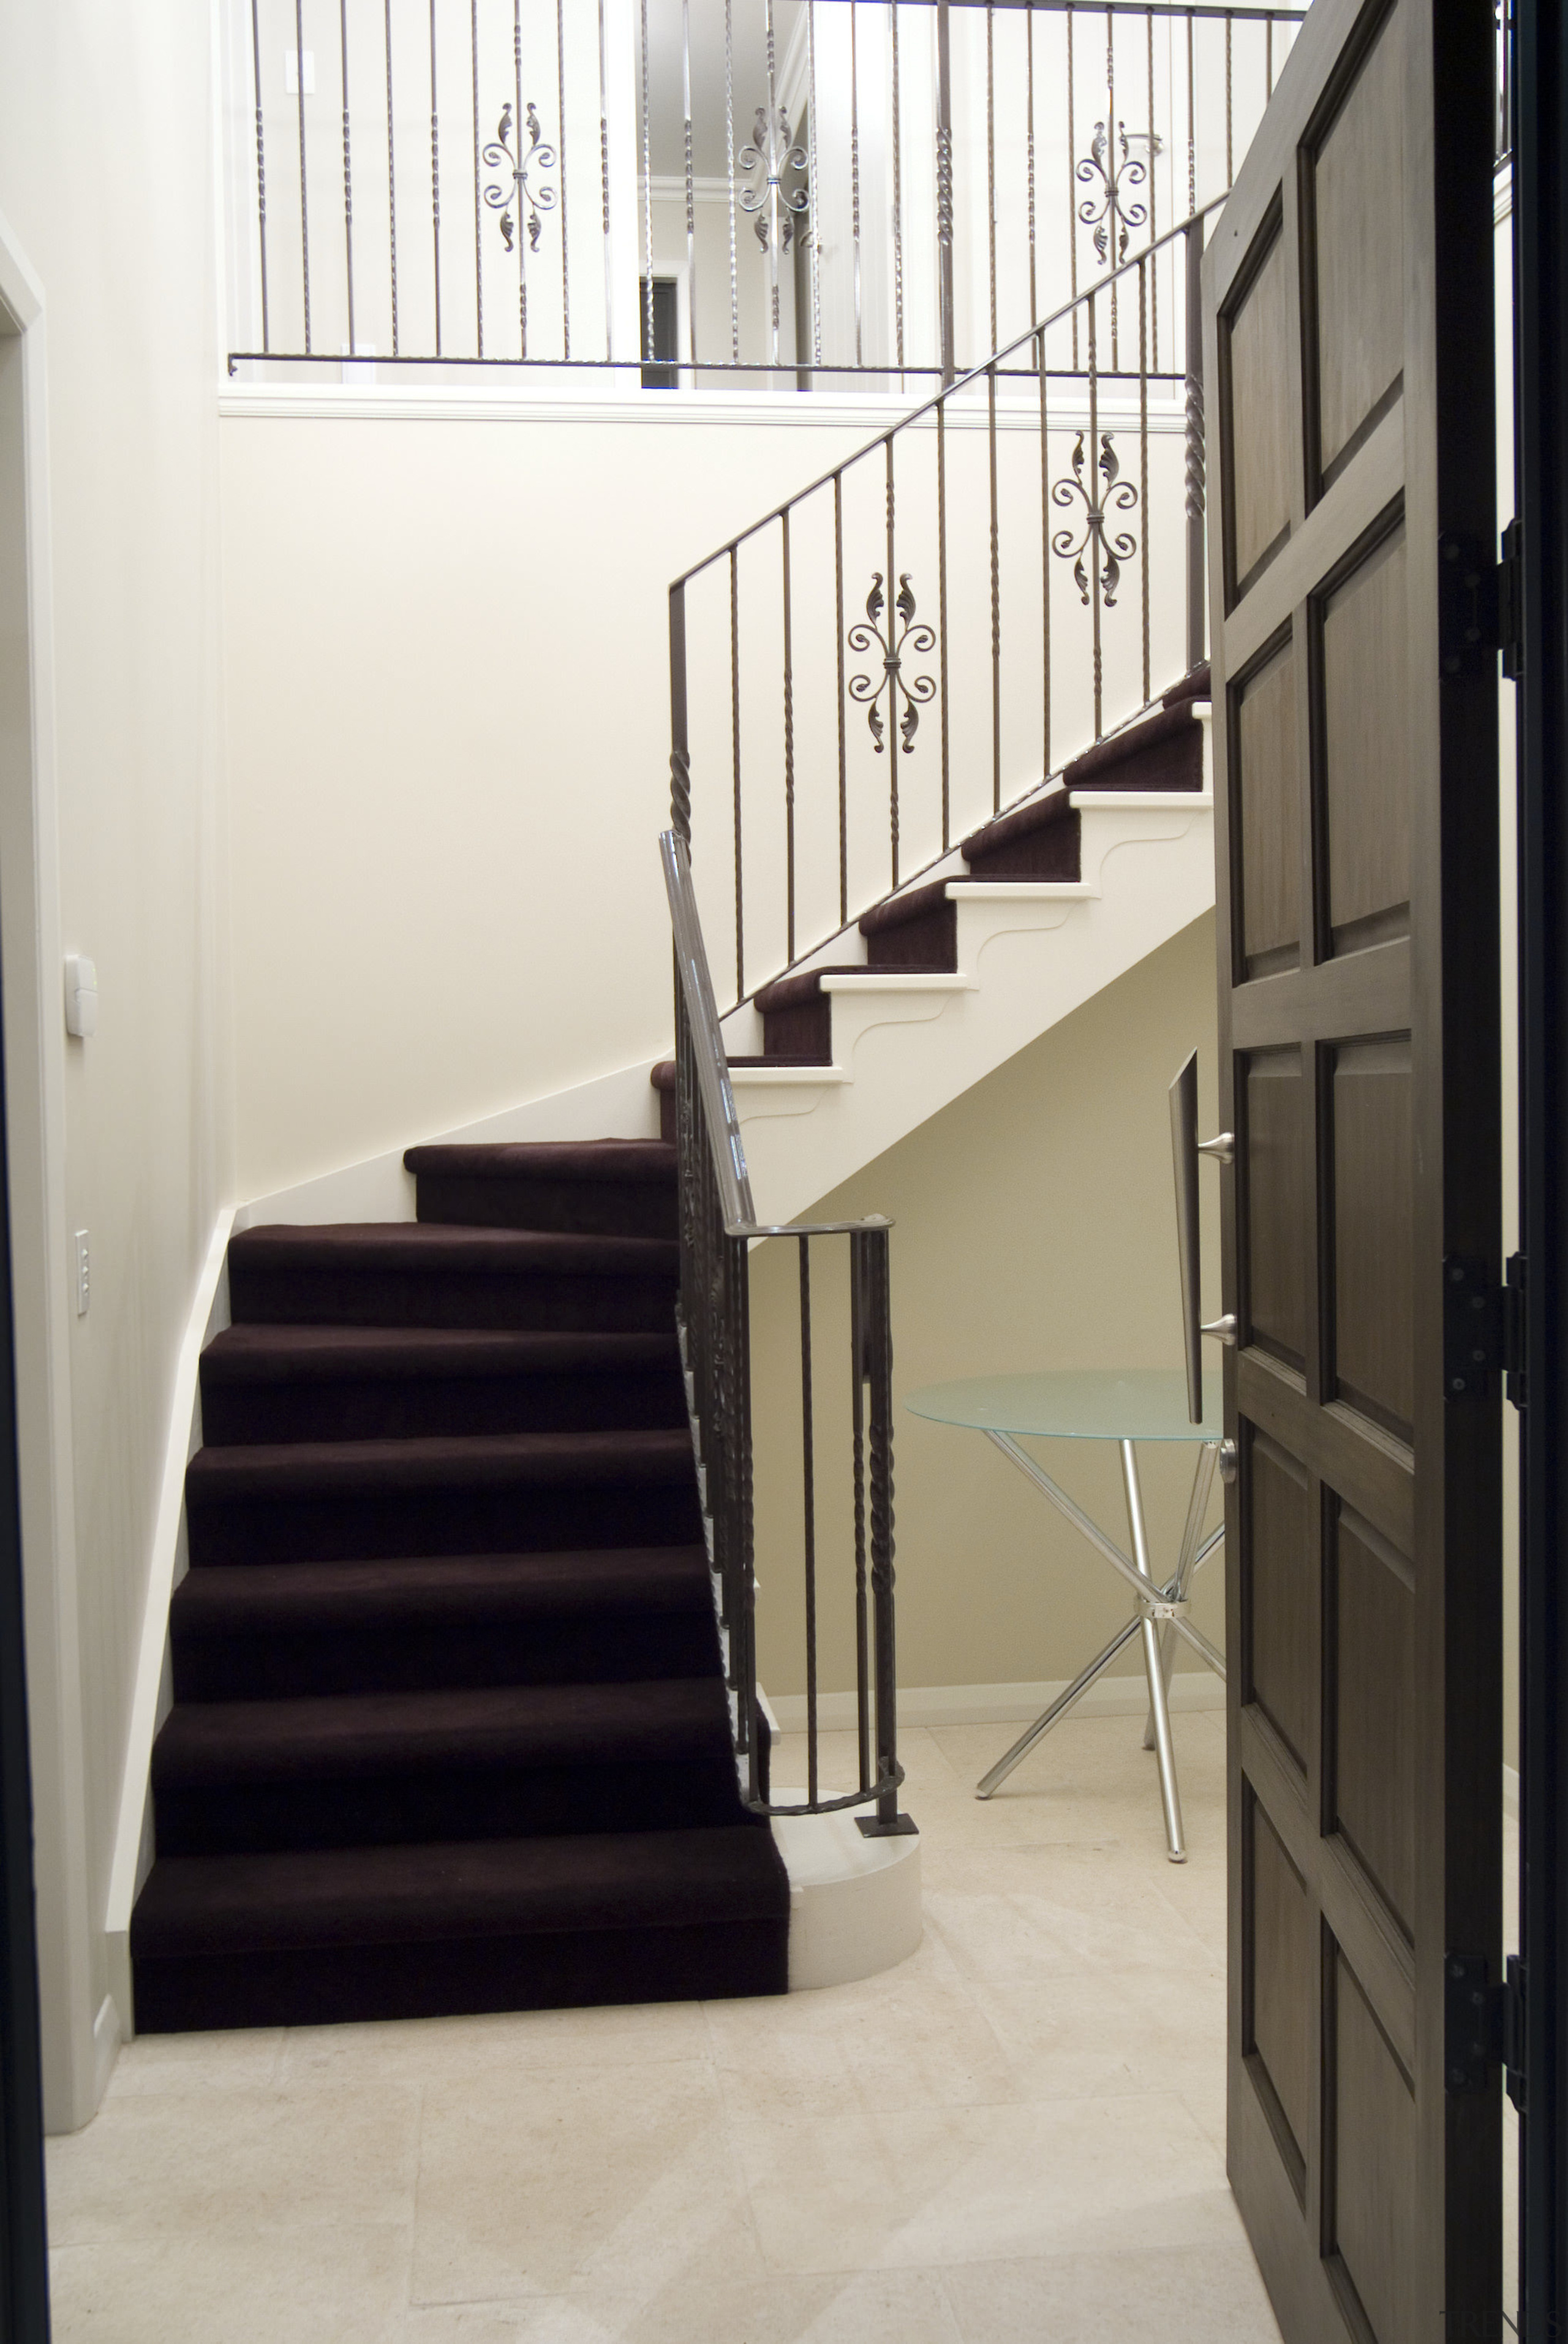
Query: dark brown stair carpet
x,y
468,1763
311,1937
1039,840
450,1731
493,1493
1163,752
272,1383
265,1631
623,1188
412,1274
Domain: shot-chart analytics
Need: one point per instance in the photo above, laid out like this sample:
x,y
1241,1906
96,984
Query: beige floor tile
x,y
913,2037
243,2061
236,2162
1010,1915
443,2050
322,2286
929,2187
1208,2294
863,2307
1114,2033
537,2183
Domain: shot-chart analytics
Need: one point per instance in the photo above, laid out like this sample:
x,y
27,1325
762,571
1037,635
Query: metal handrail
x,y
726,1146
987,367
719,1228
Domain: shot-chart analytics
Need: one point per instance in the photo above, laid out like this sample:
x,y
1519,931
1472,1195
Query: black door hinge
x,y
1482,2024
1482,1329
1479,612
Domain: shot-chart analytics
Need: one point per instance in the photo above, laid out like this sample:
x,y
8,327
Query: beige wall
x,y
107,189
1034,1229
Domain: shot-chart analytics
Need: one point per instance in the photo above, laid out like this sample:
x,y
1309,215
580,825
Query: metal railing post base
x,y
894,1826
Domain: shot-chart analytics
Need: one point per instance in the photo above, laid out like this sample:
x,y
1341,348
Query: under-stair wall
x,y
1033,1227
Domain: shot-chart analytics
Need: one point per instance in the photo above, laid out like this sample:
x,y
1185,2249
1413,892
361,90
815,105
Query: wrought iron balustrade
x,y
719,1227
931,630
830,189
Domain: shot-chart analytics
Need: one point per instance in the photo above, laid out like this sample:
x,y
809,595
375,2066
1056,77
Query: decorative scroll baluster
x,y
522,187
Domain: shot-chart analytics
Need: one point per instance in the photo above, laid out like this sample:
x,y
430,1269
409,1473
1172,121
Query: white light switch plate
x,y
83,1287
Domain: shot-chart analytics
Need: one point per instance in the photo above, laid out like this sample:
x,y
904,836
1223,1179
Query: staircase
x,y
1034,912
450,1732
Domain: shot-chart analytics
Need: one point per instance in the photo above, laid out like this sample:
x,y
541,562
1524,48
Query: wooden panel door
x,y
1348,297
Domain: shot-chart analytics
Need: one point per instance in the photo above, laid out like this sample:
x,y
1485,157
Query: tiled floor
x,y
1017,2135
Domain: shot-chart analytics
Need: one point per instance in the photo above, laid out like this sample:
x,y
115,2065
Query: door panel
x,y
1369,1136
1356,225
1268,816
1274,1122
1371,1675
1364,753
1259,439
1372,2239
1277,1562
1348,303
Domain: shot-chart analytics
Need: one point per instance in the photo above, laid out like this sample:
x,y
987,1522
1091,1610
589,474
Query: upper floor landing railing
x,y
689,192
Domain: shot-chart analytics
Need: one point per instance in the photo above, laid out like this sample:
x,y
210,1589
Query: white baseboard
x,y
1000,1704
151,1694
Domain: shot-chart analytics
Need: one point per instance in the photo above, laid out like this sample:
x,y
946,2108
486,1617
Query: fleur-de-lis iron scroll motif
x,y
1112,169
771,152
903,636
1073,543
530,200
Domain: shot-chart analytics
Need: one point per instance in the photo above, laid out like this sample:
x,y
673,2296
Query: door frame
x,y
1540,97
76,2047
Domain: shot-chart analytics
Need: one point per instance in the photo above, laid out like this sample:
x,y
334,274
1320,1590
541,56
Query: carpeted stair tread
x,y
644,1161
1163,752
261,1351
806,985
899,910
428,1591
512,1727
307,1469
440,1246
470,1888
1049,811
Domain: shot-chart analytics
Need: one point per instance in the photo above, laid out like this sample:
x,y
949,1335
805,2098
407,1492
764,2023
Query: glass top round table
x,y
1076,1404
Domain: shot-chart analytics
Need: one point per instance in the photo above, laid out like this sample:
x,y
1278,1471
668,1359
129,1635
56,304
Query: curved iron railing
x,y
1036,549
719,1227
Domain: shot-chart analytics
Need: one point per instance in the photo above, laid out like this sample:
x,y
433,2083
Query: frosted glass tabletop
x,y
1076,1404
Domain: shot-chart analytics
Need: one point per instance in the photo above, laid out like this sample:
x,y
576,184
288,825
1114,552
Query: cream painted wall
x,y
1034,1229
448,686
118,237
448,695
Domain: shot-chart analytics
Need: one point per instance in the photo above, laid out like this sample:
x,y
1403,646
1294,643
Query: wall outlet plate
x,y
84,1283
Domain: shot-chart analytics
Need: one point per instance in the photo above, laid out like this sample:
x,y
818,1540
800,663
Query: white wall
x,y
106,188
1034,1227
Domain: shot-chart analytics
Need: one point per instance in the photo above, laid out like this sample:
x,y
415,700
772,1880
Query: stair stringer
x,y
1029,954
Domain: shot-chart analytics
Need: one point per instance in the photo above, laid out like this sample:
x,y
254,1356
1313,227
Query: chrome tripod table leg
x,y
1164,1752
1197,1507
1059,1708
